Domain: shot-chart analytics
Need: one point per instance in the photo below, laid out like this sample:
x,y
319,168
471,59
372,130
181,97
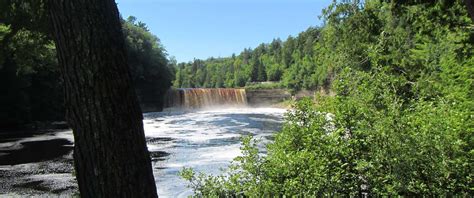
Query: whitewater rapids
x,y
205,140
40,164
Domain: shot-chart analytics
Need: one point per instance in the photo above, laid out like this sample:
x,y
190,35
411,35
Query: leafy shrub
x,y
401,122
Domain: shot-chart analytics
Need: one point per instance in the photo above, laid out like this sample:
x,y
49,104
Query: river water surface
x,y
206,140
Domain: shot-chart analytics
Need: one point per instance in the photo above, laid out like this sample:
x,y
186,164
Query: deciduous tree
x,y
110,154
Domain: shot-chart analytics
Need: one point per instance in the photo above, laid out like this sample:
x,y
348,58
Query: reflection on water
x,y
205,140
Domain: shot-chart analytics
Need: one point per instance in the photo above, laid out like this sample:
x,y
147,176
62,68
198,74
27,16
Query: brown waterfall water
x,y
205,97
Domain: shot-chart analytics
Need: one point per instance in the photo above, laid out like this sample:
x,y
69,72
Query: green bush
x,y
401,123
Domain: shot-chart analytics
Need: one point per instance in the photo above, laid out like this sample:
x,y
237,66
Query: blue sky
x,y
203,28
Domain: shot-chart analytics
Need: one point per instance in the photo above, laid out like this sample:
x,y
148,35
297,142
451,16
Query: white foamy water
x,y
204,140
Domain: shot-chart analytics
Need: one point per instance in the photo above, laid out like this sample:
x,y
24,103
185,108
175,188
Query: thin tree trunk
x,y
110,154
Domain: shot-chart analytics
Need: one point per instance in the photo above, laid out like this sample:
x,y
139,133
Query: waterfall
x,y
204,97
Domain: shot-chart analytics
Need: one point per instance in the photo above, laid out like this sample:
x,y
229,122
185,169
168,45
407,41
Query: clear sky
x,y
203,28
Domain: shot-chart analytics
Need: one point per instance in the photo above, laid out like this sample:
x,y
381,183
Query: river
x,y
206,140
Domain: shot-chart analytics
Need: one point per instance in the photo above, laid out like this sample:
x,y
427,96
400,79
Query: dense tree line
x,y
30,84
152,70
401,122
293,62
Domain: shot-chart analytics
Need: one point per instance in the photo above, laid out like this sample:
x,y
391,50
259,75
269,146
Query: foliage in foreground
x,y
401,122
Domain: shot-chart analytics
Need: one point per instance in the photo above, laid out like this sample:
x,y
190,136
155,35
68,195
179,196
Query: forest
x,y
30,82
401,122
290,64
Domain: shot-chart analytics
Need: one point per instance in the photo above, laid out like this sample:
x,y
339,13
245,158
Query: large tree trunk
x,y
470,8
110,154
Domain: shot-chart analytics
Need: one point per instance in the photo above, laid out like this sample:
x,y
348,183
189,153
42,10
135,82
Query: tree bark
x,y
470,8
110,154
